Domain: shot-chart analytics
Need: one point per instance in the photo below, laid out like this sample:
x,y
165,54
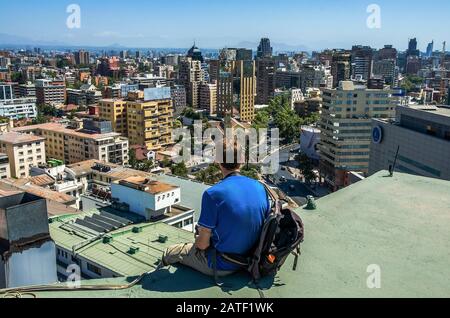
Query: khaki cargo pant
x,y
186,254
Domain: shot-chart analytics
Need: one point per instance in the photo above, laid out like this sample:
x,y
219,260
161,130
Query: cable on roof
x,y
19,292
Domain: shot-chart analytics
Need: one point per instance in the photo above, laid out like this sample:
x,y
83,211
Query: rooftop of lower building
x,y
397,224
59,128
16,138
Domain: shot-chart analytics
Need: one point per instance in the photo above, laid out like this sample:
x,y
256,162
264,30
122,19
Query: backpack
x,y
281,235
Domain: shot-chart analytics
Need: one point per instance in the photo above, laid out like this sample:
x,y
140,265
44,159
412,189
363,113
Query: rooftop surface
x,y
115,172
147,185
114,255
26,185
16,138
58,128
399,223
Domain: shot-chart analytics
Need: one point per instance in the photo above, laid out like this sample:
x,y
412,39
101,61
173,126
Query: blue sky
x,y
314,24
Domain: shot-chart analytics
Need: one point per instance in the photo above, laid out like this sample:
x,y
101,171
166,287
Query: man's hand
x,y
203,239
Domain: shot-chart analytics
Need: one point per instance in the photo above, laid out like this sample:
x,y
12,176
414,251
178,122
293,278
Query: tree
x,y
251,171
285,119
179,169
17,77
262,119
210,175
132,161
306,167
411,83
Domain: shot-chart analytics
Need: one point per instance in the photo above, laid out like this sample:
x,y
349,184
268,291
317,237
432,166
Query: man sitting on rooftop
x,y
231,220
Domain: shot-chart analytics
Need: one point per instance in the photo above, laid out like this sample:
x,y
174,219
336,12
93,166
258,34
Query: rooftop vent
x,y
133,250
107,239
163,238
137,229
311,203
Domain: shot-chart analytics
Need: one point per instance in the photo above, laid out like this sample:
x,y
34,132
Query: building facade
x,y
208,98
190,75
420,134
265,80
23,151
50,92
74,145
115,111
5,169
346,125
150,120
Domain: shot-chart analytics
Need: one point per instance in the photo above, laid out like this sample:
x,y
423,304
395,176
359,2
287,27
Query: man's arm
x,y
203,239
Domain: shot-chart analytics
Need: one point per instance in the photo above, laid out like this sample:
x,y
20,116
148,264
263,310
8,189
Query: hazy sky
x,y
314,24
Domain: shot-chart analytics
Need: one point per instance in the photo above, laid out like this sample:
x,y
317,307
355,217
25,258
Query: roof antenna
x,y
392,168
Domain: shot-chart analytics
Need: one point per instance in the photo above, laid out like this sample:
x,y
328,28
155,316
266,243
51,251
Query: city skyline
x,y
295,25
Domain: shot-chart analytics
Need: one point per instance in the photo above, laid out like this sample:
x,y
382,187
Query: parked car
x,y
283,179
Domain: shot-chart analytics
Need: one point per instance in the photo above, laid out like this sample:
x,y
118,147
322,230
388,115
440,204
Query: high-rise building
x,y
341,67
123,54
236,89
208,97
190,76
345,125
265,80
50,91
388,70
413,65
150,120
108,67
387,53
228,54
430,48
195,54
264,49
178,93
114,111
214,70
362,61
244,55
412,48
82,57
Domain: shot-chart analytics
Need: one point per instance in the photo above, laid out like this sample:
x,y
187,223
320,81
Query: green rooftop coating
x,y
125,251
398,224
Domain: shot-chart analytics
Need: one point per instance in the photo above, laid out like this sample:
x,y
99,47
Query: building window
x,y
178,225
94,269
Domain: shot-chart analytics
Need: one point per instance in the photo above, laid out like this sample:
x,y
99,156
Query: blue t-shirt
x,y
235,210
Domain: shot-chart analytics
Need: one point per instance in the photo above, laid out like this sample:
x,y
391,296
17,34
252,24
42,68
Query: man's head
x,y
232,157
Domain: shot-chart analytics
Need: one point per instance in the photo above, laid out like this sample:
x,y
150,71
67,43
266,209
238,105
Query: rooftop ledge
x,y
398,223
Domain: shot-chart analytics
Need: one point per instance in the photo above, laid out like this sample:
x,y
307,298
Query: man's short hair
x,y
232,154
